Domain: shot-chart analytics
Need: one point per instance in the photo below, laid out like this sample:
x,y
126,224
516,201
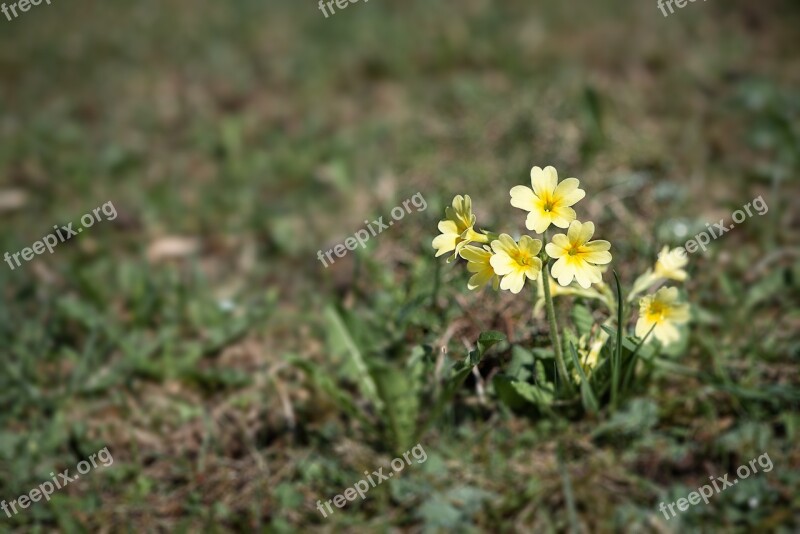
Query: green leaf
x,y
507,393
636,418
401,403
541,373
488,339
448,392
365,381
485,341
521,360
628,343
534,393
582,318
323,381
587,395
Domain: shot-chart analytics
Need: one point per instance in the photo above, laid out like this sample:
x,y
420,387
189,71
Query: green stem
x,y
554,337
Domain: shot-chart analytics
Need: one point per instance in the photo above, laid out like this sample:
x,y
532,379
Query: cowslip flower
x,y
670,264
577,257
478,263
516,261
589,352
548,202
456,230
663,313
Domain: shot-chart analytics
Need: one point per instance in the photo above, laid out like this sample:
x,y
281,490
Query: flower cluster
x,y
662,312
501,261
579,262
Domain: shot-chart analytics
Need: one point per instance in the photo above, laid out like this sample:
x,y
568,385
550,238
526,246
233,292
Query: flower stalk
x,y
555,339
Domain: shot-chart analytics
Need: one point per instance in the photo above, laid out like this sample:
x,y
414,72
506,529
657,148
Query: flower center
x,y
524,260
656,312
548,203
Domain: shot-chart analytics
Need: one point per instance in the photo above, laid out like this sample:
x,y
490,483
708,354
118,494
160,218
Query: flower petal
x,y
530,245
448,227
475,254
599,258
585,273
666,332
555,251
596,252
579,233
567,192
543,181
503,264
444,243
534,269
562,216
504,243
538,221
643,326
679,314
522,197
596,246
667,295
563,272
552,178
480,279
561,241
513,282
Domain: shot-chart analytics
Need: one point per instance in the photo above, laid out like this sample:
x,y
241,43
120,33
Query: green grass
x,y
268,132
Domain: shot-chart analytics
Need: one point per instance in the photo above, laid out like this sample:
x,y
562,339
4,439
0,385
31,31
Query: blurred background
x,y
198,337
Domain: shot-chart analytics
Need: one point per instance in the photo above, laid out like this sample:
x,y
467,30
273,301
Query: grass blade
x,y
615,367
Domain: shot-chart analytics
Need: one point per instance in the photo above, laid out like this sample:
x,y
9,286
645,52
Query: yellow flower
x,y
577,257
456,230
515,261
663,313
549,201
670,264
478,263
590,352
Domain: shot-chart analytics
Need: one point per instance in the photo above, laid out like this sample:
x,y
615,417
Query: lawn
x,y
237,382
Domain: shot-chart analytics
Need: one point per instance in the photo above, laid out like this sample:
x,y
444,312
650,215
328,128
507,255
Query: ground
x,y
194,333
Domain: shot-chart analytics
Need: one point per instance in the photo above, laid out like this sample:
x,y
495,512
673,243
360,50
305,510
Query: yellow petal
x,y
513,282
480,279
599,258
444,243
475,254
567,192
679,314
585,273
578,233
563,272
555,251
448,227
502,263
596,252
596,246
643,326
562,216
522,197
534,269
538,221
666,332
543,181
530,245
